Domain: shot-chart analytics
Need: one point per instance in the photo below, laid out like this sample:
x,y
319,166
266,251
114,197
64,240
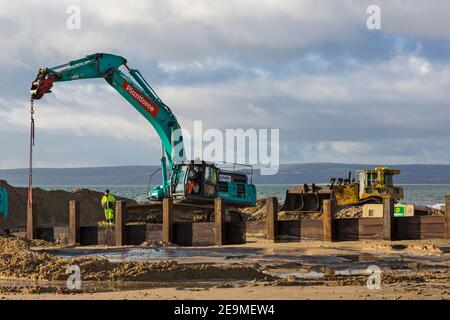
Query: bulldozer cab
x,y
378,182
200,182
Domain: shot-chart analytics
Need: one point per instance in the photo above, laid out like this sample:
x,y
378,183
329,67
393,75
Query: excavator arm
x,y
133,88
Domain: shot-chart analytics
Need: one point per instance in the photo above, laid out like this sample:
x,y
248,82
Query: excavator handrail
x,y
221,165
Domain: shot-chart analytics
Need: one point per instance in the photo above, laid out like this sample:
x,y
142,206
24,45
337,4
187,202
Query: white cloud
x,y
310,68
349,147
92,110
419,65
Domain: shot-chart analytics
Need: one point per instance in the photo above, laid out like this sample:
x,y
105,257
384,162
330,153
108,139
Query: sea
x,y
420,194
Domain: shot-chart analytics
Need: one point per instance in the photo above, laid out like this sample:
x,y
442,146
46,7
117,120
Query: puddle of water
x,y
156,254
362,257
237,257
323,259
307,275
104,286
320,259
126,285
315,275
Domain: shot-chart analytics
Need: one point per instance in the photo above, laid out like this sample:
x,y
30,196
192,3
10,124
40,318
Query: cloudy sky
x,y
337,91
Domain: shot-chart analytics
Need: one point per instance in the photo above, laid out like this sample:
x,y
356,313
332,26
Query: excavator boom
x,y
211,182
133,88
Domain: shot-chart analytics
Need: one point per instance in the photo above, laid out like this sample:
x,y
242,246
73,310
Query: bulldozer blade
x,y
305,201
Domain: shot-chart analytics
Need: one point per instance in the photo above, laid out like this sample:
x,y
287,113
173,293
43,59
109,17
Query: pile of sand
x,y
298,215
436,211
349,212
19,261
53,206
258,213
412,248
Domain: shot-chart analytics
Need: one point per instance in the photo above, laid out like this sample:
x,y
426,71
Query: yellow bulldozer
x,y
371,186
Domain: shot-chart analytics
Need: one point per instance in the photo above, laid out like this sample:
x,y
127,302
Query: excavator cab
x,y
200,182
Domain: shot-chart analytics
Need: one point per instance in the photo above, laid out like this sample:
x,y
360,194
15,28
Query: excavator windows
x,y
179,179
201,180
210,181
194,181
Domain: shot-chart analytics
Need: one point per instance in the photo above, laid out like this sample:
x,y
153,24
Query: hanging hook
x,y
30,172
32,120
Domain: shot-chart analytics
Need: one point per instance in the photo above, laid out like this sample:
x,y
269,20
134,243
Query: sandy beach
x,y
295,270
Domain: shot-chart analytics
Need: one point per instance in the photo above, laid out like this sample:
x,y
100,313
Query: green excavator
x,y
178,174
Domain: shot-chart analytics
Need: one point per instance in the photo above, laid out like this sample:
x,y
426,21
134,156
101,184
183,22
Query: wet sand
x,y
388,292
295,270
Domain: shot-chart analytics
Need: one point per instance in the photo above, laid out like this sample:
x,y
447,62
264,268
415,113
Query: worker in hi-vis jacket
x,y
108,202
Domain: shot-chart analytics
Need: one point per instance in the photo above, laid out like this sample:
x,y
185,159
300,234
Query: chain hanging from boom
x,y
30,168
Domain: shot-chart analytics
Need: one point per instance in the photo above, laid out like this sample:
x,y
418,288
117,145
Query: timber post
x,y
121,218
329,212
74,222
388,218
219,221
272,219
447,217
167,220
31,221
